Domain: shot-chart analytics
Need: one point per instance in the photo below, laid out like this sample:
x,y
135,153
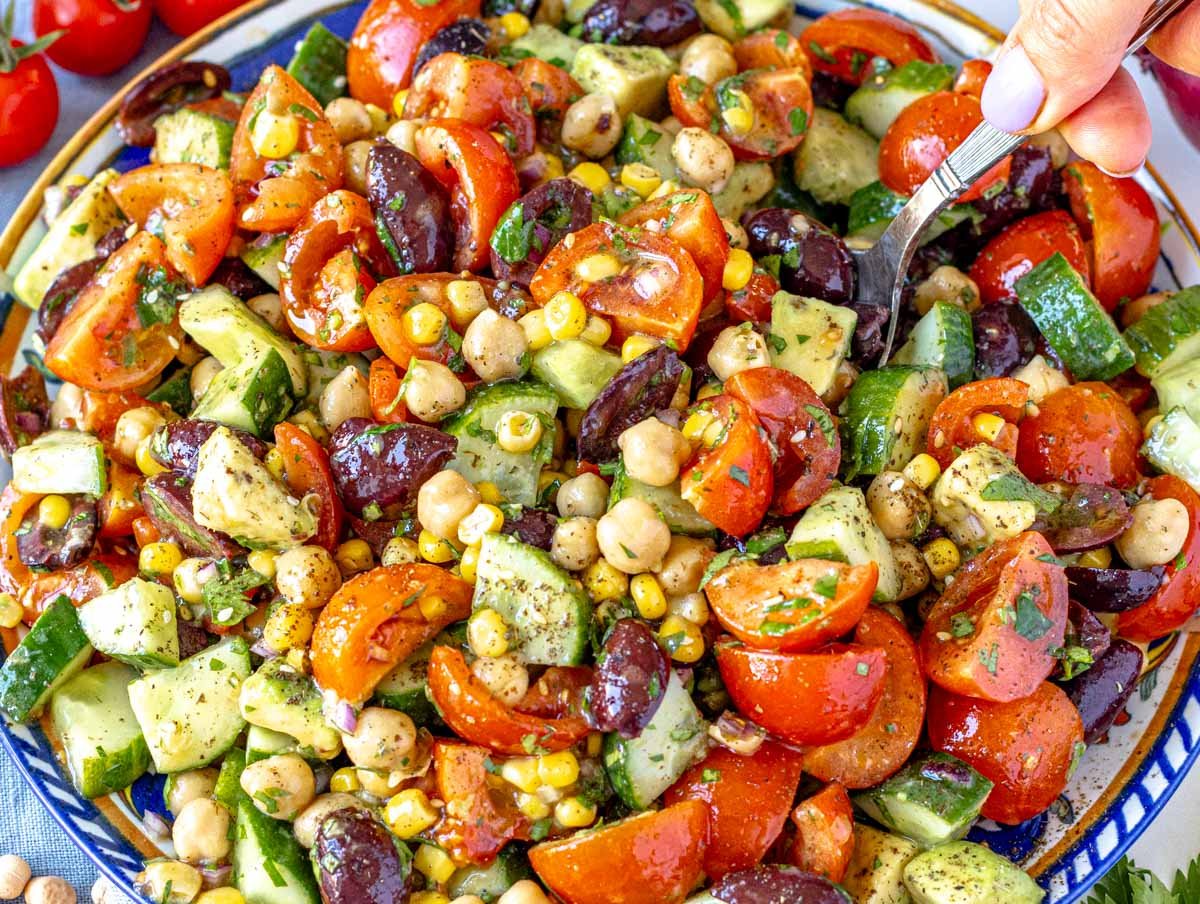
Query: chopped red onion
x,y
156,827
216,876
343,718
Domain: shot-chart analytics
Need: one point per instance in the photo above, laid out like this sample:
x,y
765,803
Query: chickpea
x,y
134,426
495,347
270,308
684,564
1135,310
1160,528
704,160
383,740
443,501
653,452
400,551
185,787
914,573
14,875
306,824
524,892
574,545
737,348
202,375
169,882
592,125
1043,379
201,832
735,233
505,677
898,505
632,537
349,119
1053,141
105,892
432,391
49,890
947,283
280,786
67,408
403,134
307,576
344,397
355,160
585,495
709,58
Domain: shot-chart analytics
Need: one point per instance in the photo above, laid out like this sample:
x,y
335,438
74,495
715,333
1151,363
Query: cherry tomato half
x,y
81,583
305,471
844,42
28,106
771,48
550,88
100,36
120,507
689,218
14,506
187,16
385,390
972,77
482,820
824,838
752,302
1021,247
952,427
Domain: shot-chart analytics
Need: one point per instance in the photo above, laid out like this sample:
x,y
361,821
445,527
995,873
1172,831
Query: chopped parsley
x,y
1016,488
1030,623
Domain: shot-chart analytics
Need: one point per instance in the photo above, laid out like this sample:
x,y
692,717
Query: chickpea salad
x,y
462,467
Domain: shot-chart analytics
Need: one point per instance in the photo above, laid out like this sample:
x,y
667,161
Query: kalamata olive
x,y
164,91
1030,187
24,409
870,332
52,549
1101,692
1087,631
777,885
1005,339
830,92
111,241
167,498
376,533
413,209
358,861
639,389
696,356
239,279
1113,589
658,23
630,679
1090,516
177,445
193,638
378,468
466,36
61,294
532,527
813,261
547,214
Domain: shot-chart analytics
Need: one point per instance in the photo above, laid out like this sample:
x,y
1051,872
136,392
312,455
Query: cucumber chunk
x,y
103,744
493,880
733,19
965,873
1179,387
1167,335
874,206
887,415
880,99
228,789
134,623
193,136
875,874
404,687
61,461
320,64
836,159
546,609
576,370
972,516
254,395
548,43
751,181
1072,320
189,714
644,141
810,338
288,702
944,338
635,76
679,514
176,391
1174,446
54,650
269,865
263,742
264,256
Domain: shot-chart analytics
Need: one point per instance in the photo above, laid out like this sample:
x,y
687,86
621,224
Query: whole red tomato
x,y
28,99
186,16
99,36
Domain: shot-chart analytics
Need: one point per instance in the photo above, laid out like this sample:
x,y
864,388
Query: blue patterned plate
x,y
1118,790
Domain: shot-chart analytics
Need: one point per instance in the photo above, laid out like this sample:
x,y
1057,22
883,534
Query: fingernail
x,y
1118,175
1014,92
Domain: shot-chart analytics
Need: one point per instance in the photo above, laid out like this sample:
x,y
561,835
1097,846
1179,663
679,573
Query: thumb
x,y
1059,56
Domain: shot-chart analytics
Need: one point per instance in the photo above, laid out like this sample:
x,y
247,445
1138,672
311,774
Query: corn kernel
x,y
275,136
548,478
487,634
1096,558
518,431
648,596
740,121
566,317
399,101
159,558
596,331
697,423
428,897
433,863
573,813
591,176
641,178
682,638
409,813
424,323
514,24
533,806
467,300
553,170
558,770
923,470
595,743
400,551
263,561
522,773
189,577
604,582
432,606
713,433
537,334
308,421
10,611
483,519
145,461
469,563
988,425
596,267
669,187
636,346
288,627
54,512
379,118
738,270
941,556
225,895
434,549
274,462
354,556
345,780
489,492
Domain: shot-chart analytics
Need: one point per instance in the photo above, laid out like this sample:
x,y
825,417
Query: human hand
x,y
1061,66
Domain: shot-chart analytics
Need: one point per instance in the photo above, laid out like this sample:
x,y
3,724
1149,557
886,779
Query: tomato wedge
x,y
274,195
324,279
119,507
191,204
100,411
86,581
689,218
990,633
843,42
801,429
550,89
480,178
1120,220
824,839
305,471
474,713
1021,247
655,857
558,692
781,101
373,623
384,388
481,819
752,302
972,77
791,606
953,429
14,506
771,48
477,91
657,292
729,481
748,799
1027,747
1176,600
885,743
123,330
805,698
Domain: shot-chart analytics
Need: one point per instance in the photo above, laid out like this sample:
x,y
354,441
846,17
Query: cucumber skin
x,y
27,679
319,63
261,839
949,326
1156,337
869,415
228,789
